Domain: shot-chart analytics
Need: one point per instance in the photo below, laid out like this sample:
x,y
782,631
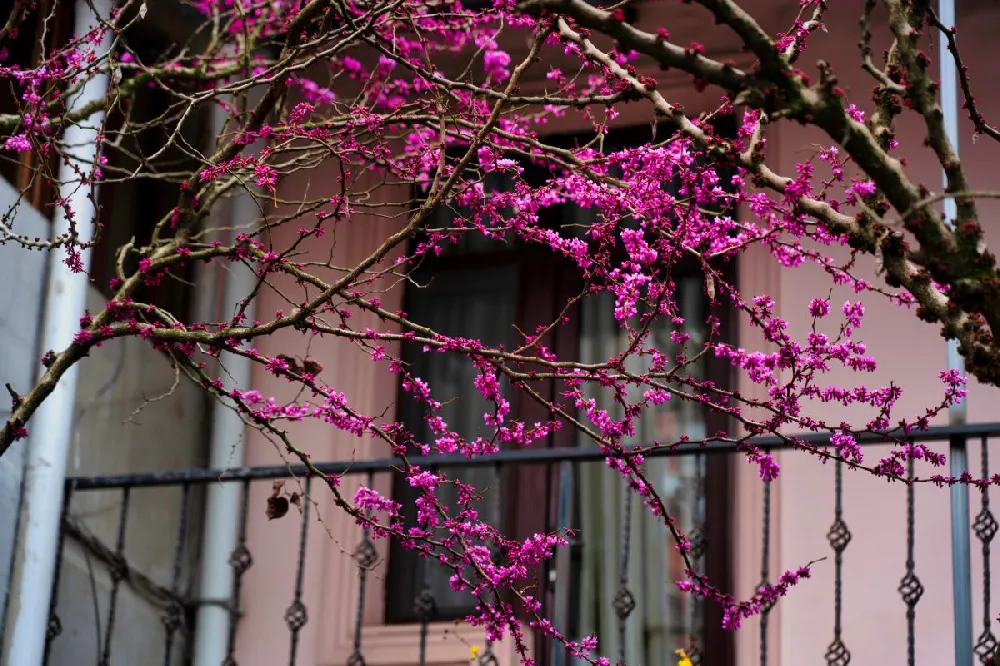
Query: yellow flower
x,y
473,652
685,660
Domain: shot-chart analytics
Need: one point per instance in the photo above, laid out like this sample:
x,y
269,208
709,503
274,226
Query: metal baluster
x,y
425,606
119,570
240,561
839,537
55,624
910,587
985,528
173,616
487,658
699,545
365,556
765,569
296,615
624,601
564,584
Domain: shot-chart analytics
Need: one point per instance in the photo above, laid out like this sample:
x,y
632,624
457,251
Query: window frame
x,y
553,281
40,193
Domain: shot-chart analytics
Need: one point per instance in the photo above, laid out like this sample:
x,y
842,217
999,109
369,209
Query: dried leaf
x,y
277,507
293,364
312,367
295,499
276,487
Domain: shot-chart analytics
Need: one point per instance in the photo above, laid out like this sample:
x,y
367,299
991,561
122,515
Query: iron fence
x,y
168,589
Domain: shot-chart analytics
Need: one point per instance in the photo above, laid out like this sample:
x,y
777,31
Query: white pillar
x,y
223,500
52,426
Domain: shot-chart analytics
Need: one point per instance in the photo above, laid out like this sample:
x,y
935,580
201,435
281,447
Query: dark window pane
x,y
479,304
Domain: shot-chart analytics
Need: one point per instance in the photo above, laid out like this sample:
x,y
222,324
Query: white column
x,y
52,426
223,500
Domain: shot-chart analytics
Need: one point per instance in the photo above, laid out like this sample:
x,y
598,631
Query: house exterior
x,y
300,591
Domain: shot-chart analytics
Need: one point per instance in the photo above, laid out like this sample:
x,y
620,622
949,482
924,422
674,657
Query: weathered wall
x,y
910,354
133,414
23,275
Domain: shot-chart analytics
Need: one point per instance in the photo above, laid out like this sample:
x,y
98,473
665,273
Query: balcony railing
x,y
112,569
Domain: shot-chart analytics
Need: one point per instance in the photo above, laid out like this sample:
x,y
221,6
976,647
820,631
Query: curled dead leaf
x,y
277,507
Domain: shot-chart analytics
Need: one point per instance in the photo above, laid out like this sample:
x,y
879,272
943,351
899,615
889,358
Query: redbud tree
x,y
423,98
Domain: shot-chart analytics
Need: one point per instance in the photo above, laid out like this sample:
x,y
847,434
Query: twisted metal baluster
x,y
173,616
624,601
425,606
296,615
985,528
488,658
839,537
119,570
910,587
240,560
55,624
699,545
765,569
365,556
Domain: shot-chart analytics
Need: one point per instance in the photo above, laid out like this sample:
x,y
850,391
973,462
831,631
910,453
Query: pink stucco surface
x,y
910,354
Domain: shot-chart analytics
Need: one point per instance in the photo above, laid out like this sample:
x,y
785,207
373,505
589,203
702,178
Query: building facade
x,y
299,589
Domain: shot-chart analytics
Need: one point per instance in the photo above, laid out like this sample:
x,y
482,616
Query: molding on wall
x,y
448,644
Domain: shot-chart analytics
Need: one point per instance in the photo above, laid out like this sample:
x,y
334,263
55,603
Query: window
x,y
138,131
479,288
129,207
479,292
46,28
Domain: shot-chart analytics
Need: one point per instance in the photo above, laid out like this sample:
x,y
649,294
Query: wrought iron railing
x,y
166,587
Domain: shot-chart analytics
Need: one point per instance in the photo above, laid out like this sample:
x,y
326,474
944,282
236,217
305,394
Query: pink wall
x,y
910,354
801,626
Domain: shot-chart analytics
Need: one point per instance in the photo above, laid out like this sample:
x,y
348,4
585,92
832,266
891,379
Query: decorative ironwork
x,y
54,627
365,555
119,570
296,616
624,601
698,538
173,617
172,620
487,658
839,537
910,587
176,609
837,654
425,607
240,560
985,529
699,542
765,569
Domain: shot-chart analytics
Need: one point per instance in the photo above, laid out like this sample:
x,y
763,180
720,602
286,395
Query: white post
x,y
958,458
52,426
223,501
